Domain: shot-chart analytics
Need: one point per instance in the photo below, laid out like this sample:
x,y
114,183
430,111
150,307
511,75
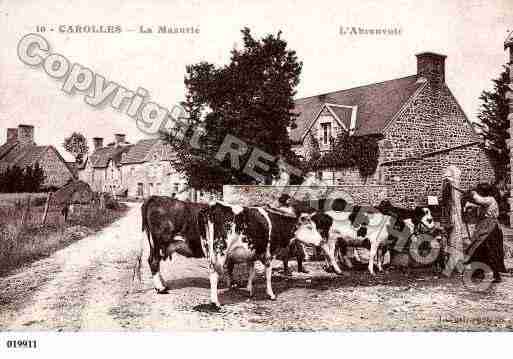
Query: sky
x,y
470,33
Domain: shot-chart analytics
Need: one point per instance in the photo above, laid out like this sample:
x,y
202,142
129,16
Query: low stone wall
x,y
262,195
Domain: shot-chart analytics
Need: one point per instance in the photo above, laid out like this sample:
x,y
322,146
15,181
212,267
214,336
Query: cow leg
x,y
341,254
251,278
229,278
214,278
268,276
300,267
347,261
154,262
286,269
300,257
372,255
380,258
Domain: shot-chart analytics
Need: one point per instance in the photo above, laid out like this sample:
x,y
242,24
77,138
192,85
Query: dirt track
x,y
88,286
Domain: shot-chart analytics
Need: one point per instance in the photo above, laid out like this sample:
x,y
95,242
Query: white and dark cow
x,y
248,234
171,226
377,229
423,232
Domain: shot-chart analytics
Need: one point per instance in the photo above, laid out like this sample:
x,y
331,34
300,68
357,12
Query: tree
x,y
38,177
15,179
76,144
361,152
494,124
251,99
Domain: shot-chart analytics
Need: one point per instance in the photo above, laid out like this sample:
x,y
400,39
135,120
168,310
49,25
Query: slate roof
x,y
377,104
23,156
140,151
100,157
6,147
13,155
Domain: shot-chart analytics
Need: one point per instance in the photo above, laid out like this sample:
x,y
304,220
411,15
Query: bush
x,y
111,202
38,201
15,179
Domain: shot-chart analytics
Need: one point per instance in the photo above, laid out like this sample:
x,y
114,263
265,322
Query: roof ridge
x,y
353,88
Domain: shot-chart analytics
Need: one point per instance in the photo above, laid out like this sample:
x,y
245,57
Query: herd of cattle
x,y
228,234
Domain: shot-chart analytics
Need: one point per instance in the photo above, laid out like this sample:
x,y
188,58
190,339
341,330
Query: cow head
x,y
423,219
306,231
217,222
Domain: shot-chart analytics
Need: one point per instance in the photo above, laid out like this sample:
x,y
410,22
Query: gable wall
x,y
56,171
431,122
156,176
316,130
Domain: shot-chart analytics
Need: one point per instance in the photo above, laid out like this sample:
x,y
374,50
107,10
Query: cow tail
x,y
144,228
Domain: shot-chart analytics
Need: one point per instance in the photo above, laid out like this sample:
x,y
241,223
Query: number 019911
x,y
21,344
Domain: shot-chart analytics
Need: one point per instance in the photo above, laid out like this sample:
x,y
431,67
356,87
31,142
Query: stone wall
x,y
156,177
411,181
268,195
433,121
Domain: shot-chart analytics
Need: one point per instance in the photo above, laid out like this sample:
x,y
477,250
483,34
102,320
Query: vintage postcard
x,y
242,166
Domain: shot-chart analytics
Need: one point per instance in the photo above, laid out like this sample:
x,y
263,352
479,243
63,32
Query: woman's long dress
x,y
487,241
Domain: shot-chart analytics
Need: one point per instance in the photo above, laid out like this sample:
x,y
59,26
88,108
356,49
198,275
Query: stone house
x,y
134,170
102,169
422,130
21,150
147,170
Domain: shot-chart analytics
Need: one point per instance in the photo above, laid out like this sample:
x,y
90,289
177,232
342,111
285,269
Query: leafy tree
x,y
76,144
15,179
38,177
361,152
313,156
251,98
27,180
494,124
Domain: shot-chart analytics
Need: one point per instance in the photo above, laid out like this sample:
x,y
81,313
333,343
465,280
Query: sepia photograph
x,y
248,166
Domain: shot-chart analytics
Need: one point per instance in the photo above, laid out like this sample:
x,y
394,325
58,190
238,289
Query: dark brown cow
x,y
171,226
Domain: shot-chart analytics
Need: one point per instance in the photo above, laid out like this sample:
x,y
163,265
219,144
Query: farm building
x,y
21,150
102,169
136,170
147,171
421,129
74,192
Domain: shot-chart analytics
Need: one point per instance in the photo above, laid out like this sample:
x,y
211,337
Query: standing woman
x,y
487,241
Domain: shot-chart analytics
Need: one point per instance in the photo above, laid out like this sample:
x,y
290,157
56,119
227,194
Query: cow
x,y
238,234
421,225
377,229
171,226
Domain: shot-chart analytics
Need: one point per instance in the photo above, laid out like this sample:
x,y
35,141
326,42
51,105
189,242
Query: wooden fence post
x,y
457,237
47,205
26,212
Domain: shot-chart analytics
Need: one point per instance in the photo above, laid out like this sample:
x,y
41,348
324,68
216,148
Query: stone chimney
x,y
97,142
12,134
26,135
431,66
120,138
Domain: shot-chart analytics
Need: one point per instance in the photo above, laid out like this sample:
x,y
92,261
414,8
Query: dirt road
x,y
88,286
